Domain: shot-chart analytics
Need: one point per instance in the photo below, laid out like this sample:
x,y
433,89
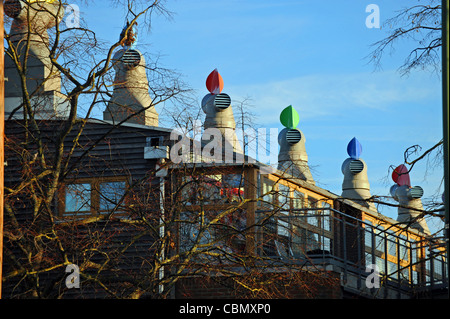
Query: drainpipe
x,y
161,173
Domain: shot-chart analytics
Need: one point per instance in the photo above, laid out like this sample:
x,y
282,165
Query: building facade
x,y
141,211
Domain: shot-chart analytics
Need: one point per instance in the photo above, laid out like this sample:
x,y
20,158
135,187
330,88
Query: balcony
x,y
373,260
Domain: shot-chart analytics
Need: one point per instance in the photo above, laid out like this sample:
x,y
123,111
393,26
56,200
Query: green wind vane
x,y
289,117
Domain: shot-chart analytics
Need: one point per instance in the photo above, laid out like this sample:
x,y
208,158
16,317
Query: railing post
x,y
430,254
399,274
410,265
344,252
386,270
359,240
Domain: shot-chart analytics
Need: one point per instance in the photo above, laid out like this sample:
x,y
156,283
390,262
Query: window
x,y
326,244
190,235
199,231
379,239
404,274
284,196
78,198
154,141
298,240
439,264
111,194
403,246
381,264
233,187
208,189
415,277
368,233
326,221
298,200
93,196
414,248
312,217
212,189
392,270
267,188
202,188
283,227
391,243
414,262
312,241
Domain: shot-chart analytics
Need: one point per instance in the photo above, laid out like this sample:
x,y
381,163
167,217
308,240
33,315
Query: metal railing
x,y
327,236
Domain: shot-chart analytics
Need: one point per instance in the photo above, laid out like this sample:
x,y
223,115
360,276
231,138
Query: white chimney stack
x,y
292,157
356,184
219,115
131,100
410,210
43,81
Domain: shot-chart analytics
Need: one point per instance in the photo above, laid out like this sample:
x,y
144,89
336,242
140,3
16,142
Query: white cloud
x,y
321,95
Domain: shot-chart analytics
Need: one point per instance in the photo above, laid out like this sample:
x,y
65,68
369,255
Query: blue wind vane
x,y
354,148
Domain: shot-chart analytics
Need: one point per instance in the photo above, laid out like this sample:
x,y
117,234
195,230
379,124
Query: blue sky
x,y
308,54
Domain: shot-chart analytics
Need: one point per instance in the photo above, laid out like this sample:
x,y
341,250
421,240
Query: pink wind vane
x,y
400,176
214,82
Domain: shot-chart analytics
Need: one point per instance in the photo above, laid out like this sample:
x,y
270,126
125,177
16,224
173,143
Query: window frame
x,y
95,196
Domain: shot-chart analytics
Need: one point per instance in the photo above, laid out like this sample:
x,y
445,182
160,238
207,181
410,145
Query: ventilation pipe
x,y
31,19
219,120
410,210
292,157
356,184
131,101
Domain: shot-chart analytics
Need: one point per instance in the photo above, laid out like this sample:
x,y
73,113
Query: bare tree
x,y
72,198
420,23
46,153
421,26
